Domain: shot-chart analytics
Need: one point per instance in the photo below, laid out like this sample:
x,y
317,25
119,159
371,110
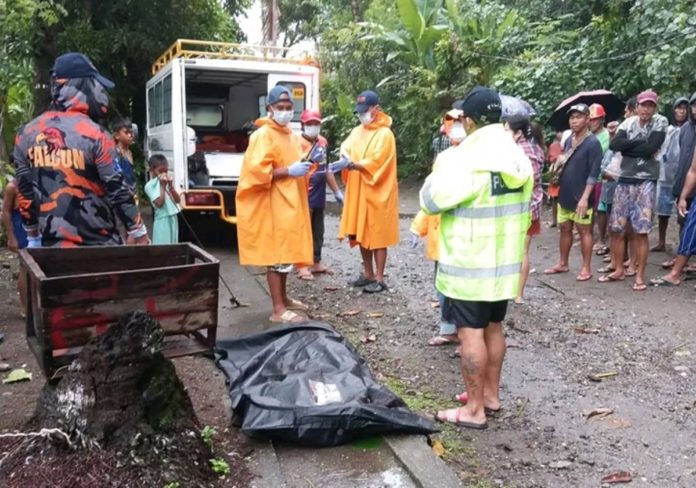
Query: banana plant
x,y
422,25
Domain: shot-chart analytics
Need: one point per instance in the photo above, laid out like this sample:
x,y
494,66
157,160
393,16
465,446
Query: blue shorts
x,y
665,201
687,243
18,229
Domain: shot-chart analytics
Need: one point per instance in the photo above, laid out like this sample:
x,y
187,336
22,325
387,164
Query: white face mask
x,y
312,131
365,118
282,117
457,133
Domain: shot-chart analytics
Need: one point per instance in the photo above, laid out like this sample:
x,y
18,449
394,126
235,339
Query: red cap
x,y
310,115
597,111
647,96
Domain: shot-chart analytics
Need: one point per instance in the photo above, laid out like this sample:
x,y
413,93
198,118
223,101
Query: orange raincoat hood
x,y
371,208
273,225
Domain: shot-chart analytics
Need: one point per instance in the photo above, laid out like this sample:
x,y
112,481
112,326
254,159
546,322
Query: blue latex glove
x,y
414,241
339,196
300,168
339,165
33,242
318,154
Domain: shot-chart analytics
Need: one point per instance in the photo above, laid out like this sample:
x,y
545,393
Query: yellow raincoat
x,y
371,208
273,225
427,226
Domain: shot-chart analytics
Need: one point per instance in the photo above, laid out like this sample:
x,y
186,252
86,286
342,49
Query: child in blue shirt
x,y
164,197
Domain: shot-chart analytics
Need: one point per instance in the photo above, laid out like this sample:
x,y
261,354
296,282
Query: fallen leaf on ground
x,y
330,288
438,448
435,304
375,315
368,338
598,412
349,313
600,376
682,353
618,477
17,375
580,330
618,423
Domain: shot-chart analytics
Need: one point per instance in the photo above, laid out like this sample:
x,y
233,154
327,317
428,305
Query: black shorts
x,y
474,315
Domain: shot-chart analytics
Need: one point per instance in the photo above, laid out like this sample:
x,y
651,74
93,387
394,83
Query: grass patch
x,y
419,401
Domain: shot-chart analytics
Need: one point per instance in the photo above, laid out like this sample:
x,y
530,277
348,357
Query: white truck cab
x,y
202,102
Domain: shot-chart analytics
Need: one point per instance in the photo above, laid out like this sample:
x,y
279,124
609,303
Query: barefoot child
x,y
164,197
16,235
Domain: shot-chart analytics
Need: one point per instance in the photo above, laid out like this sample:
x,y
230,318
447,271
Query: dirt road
x,y
565,332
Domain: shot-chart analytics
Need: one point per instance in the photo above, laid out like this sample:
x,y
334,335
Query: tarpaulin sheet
x,y
306,384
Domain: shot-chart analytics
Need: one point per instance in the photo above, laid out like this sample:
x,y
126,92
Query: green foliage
x,y
207,434
173,484
220,467
423,54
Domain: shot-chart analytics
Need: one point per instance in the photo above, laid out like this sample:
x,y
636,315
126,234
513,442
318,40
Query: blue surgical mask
x,y
282,117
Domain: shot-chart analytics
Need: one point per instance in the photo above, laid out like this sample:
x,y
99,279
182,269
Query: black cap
x,y
579,107
366,100
77,65
481,104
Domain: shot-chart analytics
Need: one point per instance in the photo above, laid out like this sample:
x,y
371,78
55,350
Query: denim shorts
x,y
665,201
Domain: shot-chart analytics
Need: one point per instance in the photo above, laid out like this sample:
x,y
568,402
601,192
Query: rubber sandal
x,y
668,264
639,287
306,276
630,273
296,305
452,416
463,398
663,282
361,282
607,259
322,270
442,341
610,279
555,270
375,287
288,317
602,252
606,269
583,277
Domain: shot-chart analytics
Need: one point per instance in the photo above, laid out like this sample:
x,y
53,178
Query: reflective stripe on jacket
x,y
482,191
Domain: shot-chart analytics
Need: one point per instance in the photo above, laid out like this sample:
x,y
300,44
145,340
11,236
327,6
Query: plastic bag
x,y
306,384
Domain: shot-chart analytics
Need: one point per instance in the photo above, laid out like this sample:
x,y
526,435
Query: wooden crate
x,y
78,293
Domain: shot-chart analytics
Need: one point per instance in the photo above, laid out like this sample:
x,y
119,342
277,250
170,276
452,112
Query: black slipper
x,y
375,287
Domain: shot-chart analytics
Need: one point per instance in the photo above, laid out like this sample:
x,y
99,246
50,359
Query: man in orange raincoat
x,y
273,225
370,215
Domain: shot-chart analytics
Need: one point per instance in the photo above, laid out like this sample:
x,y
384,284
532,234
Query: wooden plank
x,y
119,285
202,254
172,324
58,268
90,253
26,259
75,317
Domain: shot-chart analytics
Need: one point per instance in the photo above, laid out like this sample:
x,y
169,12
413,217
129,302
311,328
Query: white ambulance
x,y
202,101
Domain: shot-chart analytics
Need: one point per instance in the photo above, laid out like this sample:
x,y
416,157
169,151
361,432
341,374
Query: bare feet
x,y
491,404
463,418
556,269
660,247
321,269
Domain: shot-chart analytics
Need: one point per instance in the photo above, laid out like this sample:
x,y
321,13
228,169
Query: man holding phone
x,y
581,160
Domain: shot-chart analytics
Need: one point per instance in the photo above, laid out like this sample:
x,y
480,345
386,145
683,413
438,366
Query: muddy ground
x,y
203,381
565,332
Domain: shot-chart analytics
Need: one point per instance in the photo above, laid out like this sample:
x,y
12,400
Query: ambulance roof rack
x,y
192,49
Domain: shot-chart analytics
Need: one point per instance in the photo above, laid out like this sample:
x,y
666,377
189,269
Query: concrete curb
x,y
418,459
265,464
412,452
